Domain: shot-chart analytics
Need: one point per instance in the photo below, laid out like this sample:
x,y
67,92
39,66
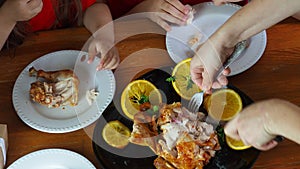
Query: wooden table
x,y
276,75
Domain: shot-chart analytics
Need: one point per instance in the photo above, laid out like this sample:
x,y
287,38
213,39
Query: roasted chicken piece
x,y
54,88
180,138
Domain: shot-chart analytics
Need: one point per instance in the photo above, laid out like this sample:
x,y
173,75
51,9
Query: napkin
x,y
3,144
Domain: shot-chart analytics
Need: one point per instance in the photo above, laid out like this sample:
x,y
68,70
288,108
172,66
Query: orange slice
x,y
223,104
236,144
116,134
137,94
183,83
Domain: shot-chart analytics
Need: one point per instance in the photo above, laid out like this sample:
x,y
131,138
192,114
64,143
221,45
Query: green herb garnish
x,y
170,79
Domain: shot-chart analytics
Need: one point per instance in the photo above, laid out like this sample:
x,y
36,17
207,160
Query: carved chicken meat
x,y
180,138
54,88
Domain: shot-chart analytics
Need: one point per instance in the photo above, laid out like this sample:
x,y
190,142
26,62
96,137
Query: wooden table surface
x,y
275,75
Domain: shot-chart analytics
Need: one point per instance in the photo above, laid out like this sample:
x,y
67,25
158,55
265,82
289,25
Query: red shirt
x,y
47,17
119,8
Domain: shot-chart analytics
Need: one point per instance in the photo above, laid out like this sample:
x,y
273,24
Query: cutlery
x,y
197,99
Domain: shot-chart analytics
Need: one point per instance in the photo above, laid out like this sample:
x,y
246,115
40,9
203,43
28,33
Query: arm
x,y
285,120
248,21
259,123
98,20
13,11
255,17
6,27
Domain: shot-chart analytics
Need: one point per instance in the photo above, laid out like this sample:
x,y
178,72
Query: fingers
x,y
179,6
231,130
92,52
196,72
267,146
176,9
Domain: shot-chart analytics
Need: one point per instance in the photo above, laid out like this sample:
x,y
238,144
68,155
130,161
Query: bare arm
x,y
285,120
17,10
98,21
248,21
255,17
6,26
98,16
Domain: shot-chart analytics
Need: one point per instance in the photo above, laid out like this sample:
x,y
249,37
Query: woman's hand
x,y
21,10
253,124
108,53
207,61
164,12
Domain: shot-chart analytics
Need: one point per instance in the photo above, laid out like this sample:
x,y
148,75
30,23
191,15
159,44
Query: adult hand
x,y
21,10
252,125
207,61
108,53
164,12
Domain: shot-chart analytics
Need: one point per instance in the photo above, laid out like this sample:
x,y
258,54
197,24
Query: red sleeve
x,y
119,8
45,19
87,3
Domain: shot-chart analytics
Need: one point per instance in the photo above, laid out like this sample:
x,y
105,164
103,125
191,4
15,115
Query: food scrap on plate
x,y
91,96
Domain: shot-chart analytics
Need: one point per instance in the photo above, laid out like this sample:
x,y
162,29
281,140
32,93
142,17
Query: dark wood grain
x,y
275,75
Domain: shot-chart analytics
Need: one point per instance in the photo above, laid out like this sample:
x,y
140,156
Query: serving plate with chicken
x,y
50,94
170,139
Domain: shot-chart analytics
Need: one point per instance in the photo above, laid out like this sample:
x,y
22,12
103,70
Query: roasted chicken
x,y
180,138
54,88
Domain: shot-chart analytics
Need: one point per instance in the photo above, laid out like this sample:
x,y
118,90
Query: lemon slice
x,y
223,104
236,144
183,83
116,134
137,94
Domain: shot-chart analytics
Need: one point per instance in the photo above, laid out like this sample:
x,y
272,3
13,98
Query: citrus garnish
x,y
139,95
183,83
116,134
236,144
223,104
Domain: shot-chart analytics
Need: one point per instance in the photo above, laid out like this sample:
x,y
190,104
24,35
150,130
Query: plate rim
x,y
21,112
58,151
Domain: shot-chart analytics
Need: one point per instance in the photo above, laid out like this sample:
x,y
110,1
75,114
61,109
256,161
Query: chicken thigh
x,y
54,88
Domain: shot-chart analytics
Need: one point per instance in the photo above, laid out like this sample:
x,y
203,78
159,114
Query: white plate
x,y
52,159
66,118
207,20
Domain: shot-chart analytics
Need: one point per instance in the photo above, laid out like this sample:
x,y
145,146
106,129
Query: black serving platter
x,y
141,157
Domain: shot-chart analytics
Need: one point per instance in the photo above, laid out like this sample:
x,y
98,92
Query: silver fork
x,y
197,99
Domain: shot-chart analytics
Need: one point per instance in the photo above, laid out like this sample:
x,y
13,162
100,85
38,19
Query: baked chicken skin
x,y
54,88
181,139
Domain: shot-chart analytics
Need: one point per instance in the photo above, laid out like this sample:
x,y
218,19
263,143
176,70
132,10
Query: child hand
x,y
109,54
164,11
21,10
